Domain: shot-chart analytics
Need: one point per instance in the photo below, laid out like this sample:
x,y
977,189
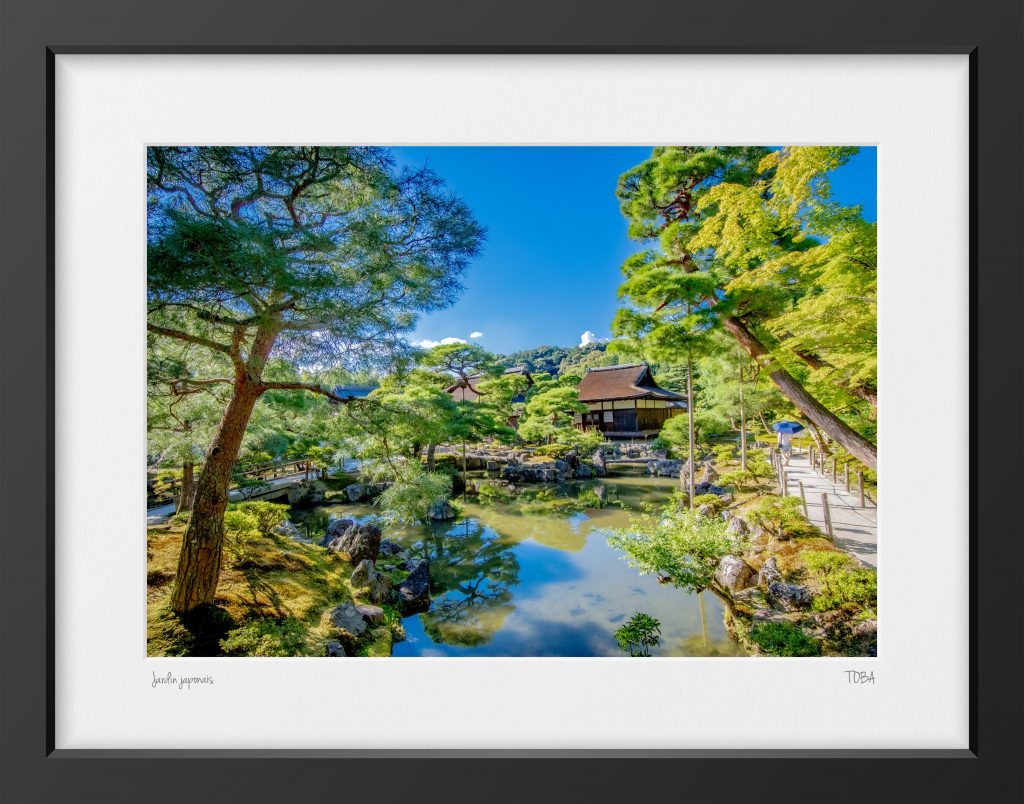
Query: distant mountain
x,y
560,359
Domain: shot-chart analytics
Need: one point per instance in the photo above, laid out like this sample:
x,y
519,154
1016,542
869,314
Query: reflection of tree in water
x,y
471,573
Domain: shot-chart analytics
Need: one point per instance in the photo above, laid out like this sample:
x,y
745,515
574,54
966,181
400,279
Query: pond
x,y
510,583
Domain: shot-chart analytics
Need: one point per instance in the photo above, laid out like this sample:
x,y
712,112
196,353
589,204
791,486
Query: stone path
x,y
854,529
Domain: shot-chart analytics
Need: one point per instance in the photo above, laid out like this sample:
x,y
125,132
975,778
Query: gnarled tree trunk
x,y
852,441
195,581
200,557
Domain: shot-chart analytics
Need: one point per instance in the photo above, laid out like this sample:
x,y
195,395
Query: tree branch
x,y
185,336
302,386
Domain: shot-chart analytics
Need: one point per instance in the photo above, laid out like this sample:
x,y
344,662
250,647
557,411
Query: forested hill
x,y
560,359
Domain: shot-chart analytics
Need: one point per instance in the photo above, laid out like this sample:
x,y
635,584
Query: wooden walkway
x,y
854,529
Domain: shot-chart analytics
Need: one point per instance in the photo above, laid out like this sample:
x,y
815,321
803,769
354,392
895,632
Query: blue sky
x,y
549,269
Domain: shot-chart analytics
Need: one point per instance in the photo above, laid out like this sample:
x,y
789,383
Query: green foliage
x,y
841,581
558,359
676,543
639,634
780,516
747,232
675,433
412,494
552,450
240,524
268,515
712,500
583,441
266,637
724,453
783,639
738,478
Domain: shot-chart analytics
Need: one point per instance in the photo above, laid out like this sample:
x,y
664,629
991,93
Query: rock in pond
x,y
414,592
335,528
734,573
306,492
441,511
357,542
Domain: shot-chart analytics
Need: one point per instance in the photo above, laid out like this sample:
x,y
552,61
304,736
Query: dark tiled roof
x,y
622,382
467,390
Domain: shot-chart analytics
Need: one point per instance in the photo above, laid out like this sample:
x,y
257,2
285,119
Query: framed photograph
x,y
569,383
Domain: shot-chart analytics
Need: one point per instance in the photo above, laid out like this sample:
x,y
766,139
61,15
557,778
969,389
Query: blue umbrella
x,y
787,427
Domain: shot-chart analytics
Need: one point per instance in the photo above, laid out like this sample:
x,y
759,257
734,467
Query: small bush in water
x,y
637,636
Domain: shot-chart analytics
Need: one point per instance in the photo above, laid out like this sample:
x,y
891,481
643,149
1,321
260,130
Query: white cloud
x,y
475,335
429,344
588,338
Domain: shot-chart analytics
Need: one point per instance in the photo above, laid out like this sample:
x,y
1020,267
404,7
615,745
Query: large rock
x,y
358,542
546,472
738,526
380,588
364,492
789,596
584,471
374,615
335,528
598,459
306,492
414,592
769,573
347,618
363,574
734,573
667,468
391,548
441,511
709,475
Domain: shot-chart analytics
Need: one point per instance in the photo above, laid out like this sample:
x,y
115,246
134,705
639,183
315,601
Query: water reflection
x,y
472,572
509,583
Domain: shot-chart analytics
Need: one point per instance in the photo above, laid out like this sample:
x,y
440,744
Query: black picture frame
x,y
34,31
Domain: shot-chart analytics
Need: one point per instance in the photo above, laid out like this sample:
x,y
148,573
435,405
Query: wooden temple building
x,y
626,402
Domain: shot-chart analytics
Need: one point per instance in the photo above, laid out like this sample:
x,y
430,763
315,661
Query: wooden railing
x,y
265,471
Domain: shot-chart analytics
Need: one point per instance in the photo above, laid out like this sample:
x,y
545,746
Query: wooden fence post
x,y
846,476
785,484
803,498
860,487
833,471
810,456
828,515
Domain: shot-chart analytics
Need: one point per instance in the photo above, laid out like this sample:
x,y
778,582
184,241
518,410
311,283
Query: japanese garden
x,y
332,473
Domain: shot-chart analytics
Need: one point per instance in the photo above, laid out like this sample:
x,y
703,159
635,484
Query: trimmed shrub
x,y
268,515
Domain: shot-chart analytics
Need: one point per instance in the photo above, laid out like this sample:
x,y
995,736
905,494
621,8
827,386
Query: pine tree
x,y
734,226
317,255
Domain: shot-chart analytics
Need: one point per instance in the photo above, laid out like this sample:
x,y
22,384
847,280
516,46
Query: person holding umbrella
x,y
785,438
